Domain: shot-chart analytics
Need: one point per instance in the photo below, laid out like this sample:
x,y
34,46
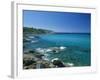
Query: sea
x,y
78,47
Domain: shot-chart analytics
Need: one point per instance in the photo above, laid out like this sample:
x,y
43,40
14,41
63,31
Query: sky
x,y
67,22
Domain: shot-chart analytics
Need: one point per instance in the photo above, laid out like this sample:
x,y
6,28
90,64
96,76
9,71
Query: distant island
x,y
31,30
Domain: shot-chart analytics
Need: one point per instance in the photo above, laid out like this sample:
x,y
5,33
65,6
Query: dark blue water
x,y
78,45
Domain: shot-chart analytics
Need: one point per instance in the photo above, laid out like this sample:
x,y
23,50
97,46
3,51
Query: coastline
x,y
38,60
51,44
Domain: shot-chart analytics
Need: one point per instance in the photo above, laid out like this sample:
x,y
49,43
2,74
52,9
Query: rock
x,y
51,49
32,66
43,64
28,59
31,51
39,55
28,56
28,62
52,65
55,51
58,62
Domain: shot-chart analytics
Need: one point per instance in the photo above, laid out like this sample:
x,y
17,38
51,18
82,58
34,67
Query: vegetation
x,y
27,30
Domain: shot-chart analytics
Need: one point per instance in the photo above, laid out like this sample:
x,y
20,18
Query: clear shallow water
x,y
77,51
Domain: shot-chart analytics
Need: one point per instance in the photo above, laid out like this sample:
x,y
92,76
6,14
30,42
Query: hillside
x,y
27,30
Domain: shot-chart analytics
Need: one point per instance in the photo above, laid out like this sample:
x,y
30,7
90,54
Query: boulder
x,y
31,51
39,56
32,66
28,62
28,59
57,62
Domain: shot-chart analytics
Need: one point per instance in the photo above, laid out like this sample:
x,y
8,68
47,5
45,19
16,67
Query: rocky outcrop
x,y
57,62
51,49
36,59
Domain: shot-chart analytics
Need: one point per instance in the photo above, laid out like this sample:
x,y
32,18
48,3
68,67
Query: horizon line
x,y
58,32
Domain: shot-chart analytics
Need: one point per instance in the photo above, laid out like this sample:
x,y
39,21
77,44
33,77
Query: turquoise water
x,y
78,46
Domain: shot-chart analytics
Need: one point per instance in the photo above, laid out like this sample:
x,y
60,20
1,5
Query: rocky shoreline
x,y
35,59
